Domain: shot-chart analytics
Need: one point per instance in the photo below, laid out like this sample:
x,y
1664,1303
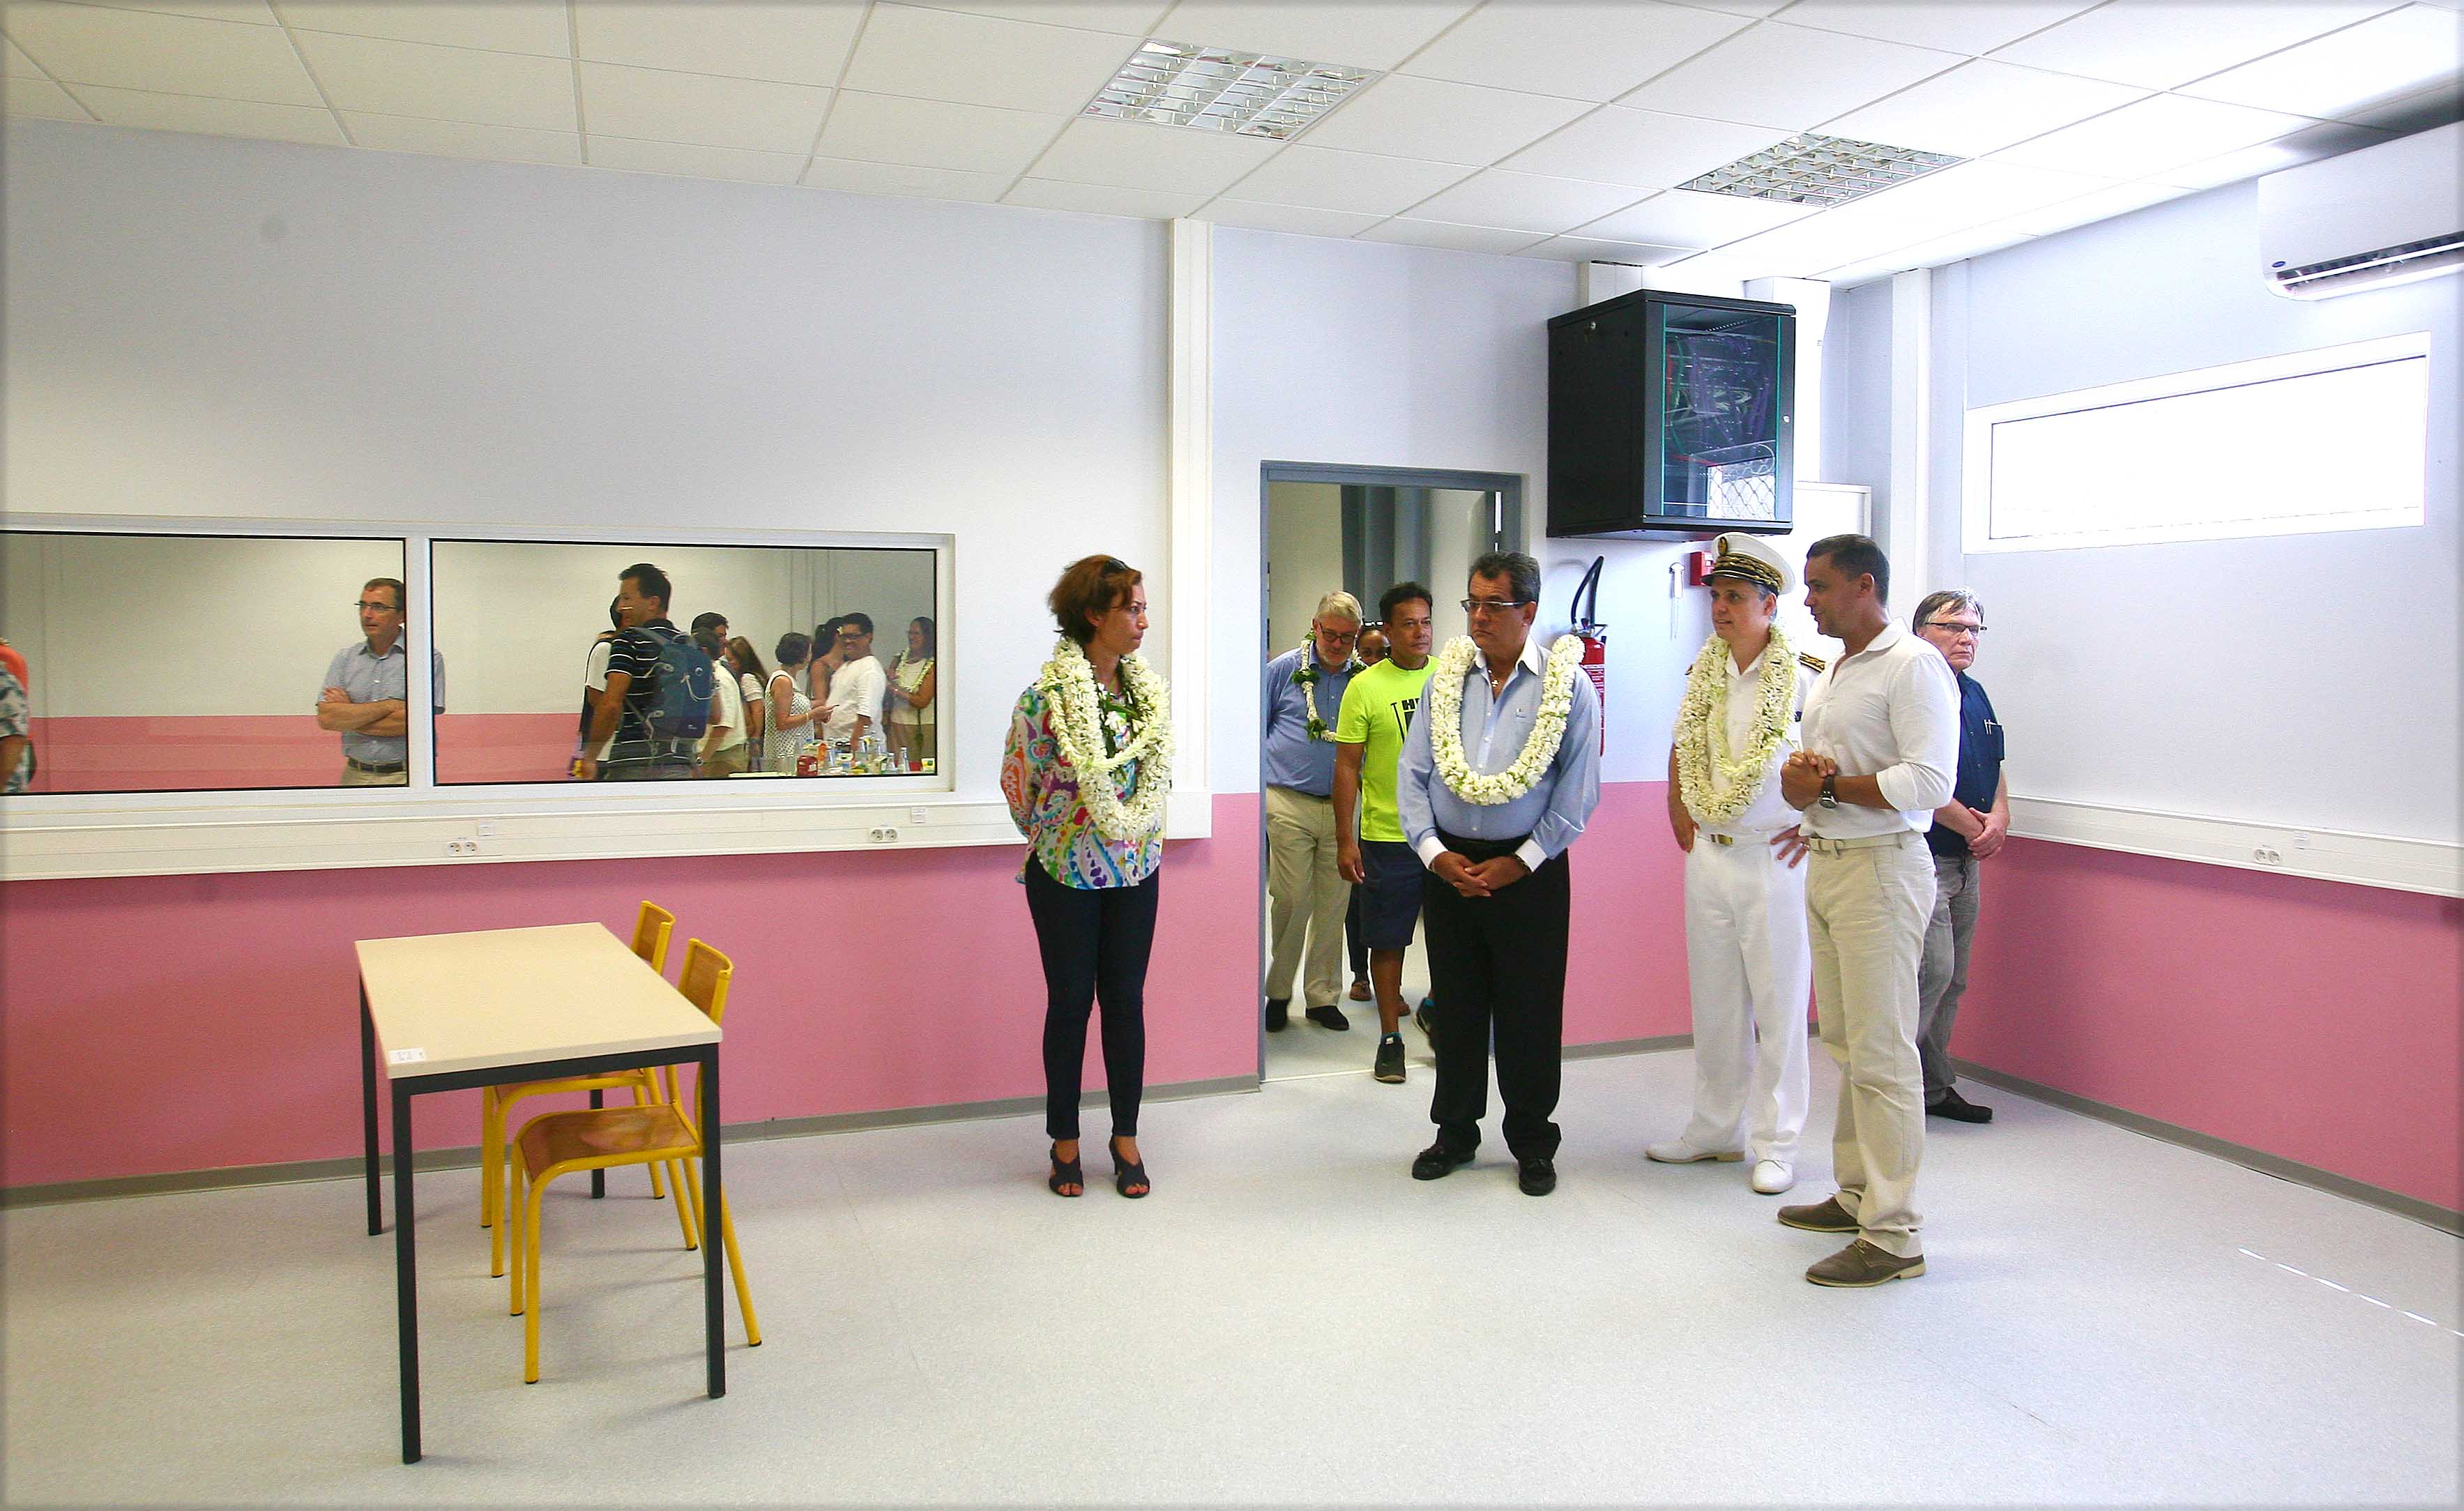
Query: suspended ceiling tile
x,y
20,66
1361,183
1981,107
1788,76
687,160
2088,208
2161,132
1430,119
650,104
983,60
43,99
907,180
2345,72
1133,155
1681,218
1954,26
1122,17
937,134
464,139
1647,148
1095,199
442,83
2434,106
254,13
220,117
803,42
1975,193
499,26
2328,140
83,44
1591,249
1456,238
2158,44
1374,37
1529,202
1296,219
1576,48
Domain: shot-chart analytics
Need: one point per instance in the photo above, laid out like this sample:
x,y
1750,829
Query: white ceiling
x,y
1545,128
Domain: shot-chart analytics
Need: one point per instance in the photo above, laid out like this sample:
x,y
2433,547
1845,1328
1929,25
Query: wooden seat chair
x,y
556,1144
652,928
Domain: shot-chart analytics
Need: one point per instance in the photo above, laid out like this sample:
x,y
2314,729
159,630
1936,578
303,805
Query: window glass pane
x,y
2326,450
189,662
545,675
1720,413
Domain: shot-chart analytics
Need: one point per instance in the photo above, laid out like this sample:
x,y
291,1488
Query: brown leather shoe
x,y
1826,1215
1861,1264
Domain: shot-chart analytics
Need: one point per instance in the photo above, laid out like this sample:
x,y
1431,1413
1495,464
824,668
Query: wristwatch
x,y
1830,797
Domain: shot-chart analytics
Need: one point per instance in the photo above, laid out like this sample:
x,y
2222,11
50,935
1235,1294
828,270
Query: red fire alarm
x,y
1697,568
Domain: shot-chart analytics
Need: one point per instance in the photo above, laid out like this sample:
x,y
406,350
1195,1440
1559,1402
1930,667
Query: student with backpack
x,y
661,695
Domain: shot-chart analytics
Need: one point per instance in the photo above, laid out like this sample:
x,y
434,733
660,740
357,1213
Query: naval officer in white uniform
x,y
1746,957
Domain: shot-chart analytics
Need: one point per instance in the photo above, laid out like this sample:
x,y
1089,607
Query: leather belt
x,y
375,770
1862,842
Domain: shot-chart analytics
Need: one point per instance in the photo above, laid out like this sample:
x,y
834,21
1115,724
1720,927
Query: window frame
x,y
1977,449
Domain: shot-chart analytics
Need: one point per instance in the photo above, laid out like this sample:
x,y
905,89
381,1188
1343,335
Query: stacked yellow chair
x,y
652,928
557,1143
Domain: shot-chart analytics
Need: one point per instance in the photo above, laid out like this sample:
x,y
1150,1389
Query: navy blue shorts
x,y
1390,905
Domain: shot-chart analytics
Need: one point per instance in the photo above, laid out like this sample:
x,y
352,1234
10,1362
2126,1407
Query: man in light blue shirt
x,y
1306,893
1496,903
367,694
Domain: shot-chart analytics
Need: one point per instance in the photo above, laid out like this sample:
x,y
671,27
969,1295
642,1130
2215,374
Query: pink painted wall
x,y
2315,1021
504,746
136,753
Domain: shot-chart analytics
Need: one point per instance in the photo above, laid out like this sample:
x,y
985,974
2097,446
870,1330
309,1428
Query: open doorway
x,y
1358,530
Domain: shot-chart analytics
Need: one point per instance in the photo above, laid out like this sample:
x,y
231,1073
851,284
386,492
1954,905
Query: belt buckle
x,y
1718,839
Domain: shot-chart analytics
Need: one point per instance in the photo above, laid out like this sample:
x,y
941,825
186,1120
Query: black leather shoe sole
x,y
1958,1111
1435,1162
1536,1176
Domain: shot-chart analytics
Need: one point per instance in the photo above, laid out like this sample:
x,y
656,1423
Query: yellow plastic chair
x,y
652,928
557,1143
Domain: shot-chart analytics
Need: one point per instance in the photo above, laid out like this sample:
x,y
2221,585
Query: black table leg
x,y
598,1178
368,1107
714,1252
405,1275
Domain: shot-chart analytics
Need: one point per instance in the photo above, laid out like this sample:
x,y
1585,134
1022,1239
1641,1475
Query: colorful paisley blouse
x,y
1042,792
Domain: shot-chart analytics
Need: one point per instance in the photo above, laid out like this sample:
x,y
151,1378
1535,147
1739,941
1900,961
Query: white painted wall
x,y
212,327
2309,681
171,626
1304,561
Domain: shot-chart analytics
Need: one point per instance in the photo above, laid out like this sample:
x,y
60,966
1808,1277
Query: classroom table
x,y
453,1011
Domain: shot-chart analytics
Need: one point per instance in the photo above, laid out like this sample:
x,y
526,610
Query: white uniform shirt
x,y
856,690
1891,713
731,713
1768,813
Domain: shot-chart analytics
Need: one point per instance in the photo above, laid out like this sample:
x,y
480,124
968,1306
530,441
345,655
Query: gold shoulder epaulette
x,y
1813,664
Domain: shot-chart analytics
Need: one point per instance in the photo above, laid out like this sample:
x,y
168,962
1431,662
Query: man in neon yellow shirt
x,y
1377,710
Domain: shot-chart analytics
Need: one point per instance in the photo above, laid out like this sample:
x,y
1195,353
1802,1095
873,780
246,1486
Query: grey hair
x,y
1522,574
1948,600
1339,606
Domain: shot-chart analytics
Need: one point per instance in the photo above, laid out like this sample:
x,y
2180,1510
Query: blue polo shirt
x,y
1293,760
1980,763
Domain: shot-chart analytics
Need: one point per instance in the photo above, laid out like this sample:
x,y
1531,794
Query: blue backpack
x,y
679,707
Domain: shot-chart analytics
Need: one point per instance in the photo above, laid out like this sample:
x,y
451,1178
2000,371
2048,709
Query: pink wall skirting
x,y
2314,1020
193,753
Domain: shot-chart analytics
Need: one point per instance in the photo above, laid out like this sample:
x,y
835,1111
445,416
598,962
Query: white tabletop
x,y
514,996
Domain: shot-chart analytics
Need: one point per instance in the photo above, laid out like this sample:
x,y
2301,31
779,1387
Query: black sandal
x,y
1065,1172
1126,1174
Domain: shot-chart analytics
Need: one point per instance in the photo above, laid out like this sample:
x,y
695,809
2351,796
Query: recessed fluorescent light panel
x,y
1823,171
1217,89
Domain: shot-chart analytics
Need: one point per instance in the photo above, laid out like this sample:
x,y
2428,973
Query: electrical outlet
x,y
2265,856
462,844
884,836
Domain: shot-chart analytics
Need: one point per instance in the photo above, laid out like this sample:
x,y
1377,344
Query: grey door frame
x,y
1508,487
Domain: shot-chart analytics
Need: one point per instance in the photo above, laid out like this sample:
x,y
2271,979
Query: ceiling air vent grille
x,y
1217,89
1823,171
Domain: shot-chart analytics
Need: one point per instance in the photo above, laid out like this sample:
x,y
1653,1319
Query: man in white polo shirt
x,y
1881,748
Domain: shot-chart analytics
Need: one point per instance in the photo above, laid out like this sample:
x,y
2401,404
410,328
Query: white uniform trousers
x,y
1867,906
1750,971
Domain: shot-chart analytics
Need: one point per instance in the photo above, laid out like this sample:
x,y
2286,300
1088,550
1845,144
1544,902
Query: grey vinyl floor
x,y
1287,1320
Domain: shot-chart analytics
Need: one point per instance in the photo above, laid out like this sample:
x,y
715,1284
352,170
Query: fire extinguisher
x,y
1595,636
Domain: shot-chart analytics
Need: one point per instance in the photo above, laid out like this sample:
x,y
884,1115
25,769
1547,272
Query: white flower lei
x,y
1307,675
1706,706
1547,729
1069,680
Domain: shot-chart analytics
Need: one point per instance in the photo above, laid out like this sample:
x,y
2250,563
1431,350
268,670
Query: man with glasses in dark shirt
x,y
661,696
1969,828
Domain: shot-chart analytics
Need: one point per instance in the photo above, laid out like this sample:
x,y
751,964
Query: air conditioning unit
x,y
2388,214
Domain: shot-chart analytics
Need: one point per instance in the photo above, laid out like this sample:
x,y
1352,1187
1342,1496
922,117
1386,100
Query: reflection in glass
x,y
720,678
153,663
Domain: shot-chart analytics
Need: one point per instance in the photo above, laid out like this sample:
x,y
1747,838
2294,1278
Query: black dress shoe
x,y
1438,1160
1536,1176
1330,1017
1958,1108
1278,1014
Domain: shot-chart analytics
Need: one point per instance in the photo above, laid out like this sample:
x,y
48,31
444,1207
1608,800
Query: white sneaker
x,y
1677,1152
1772,1177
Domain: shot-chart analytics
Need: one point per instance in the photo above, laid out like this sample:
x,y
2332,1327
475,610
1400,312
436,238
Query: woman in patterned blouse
x,y
1093,896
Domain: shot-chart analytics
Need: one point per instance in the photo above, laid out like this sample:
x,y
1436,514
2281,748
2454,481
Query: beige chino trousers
x,y
1306,896
1866,909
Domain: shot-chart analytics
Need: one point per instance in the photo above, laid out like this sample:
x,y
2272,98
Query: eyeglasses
x,y
366,607
1971,631
1491,606
1341,637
